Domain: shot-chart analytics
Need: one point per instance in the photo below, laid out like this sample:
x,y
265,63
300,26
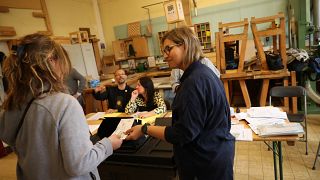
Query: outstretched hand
x,y
115,141
134,133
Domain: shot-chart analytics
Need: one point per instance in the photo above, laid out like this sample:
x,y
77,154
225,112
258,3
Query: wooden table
x,y
276,146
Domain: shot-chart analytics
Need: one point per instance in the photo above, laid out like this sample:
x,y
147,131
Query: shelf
x,y
204,35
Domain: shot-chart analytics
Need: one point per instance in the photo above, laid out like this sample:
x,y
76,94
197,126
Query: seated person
x,y
146,100
176,74
117,96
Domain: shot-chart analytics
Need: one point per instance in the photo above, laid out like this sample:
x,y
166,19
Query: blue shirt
x,y
200,131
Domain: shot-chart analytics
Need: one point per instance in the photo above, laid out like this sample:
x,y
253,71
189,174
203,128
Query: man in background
x,y
118,96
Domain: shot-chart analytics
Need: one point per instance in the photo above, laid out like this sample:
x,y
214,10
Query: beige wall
x,y
118,12
65,16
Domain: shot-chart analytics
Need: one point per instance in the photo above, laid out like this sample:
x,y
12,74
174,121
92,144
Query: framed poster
x,y
174,11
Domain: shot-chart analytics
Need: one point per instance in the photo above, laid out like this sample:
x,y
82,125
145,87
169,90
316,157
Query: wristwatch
x,y
144,128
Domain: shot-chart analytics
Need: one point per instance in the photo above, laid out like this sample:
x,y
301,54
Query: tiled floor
x,y
252,161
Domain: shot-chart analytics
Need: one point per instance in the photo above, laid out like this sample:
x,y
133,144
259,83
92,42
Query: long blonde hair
x,y
185,36
29,72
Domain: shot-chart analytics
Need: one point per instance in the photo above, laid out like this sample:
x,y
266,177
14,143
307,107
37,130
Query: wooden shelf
x,y
203,32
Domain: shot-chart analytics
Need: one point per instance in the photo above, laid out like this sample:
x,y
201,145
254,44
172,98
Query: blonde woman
x,y
200,133
47,127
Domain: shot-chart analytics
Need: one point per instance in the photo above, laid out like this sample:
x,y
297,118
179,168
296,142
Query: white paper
x,y
241,133
93,128
96,116
122,127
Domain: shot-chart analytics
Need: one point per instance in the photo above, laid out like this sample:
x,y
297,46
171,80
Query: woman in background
x,y
146,100
47,127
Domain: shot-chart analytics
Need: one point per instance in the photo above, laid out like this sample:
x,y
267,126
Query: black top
x,y
117,99
200,132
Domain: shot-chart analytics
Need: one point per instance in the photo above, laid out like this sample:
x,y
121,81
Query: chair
x,y
317,155
293,91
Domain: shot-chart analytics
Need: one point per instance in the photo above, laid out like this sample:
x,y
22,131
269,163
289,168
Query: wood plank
x,y
269,32
245,93
7,31
266,19
234,24
286,99
226,90
294,99
264,92
218,60
4,9
230,38
46,18
22,4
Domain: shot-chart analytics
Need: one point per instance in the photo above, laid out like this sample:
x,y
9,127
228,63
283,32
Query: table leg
x,y
274,160
280,160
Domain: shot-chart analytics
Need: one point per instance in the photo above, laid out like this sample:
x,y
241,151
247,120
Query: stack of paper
x,y
281,129
241,133
264,116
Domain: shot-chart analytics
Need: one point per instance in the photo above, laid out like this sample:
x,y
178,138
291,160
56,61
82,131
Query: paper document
x,y
122,127
93,128
241,133
265,112
96,116
281,129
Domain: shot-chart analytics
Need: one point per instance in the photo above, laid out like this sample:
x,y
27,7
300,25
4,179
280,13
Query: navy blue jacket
x,y
200,131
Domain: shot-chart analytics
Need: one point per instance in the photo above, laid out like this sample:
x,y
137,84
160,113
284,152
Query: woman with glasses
x,y
46,126
202,144
146,100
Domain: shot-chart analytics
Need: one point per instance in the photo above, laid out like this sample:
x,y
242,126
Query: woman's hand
x,y
134,133
115,141
111,111
134,95
145,114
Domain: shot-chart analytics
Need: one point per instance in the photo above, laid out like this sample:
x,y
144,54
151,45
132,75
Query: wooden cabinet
x,y
122,47
119,50
203,32
140,46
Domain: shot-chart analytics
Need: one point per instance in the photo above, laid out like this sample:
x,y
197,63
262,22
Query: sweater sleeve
x,y
131,107
79,155
81,79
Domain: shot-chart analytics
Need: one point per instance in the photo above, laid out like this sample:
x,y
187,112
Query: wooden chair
x,y
227,76
278,35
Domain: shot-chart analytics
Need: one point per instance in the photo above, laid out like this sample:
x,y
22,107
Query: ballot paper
x,y
280,129
241,133
122,127
94,128
266,112
96,116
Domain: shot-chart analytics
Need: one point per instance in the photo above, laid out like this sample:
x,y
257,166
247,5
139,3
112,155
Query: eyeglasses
x,y
168,48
